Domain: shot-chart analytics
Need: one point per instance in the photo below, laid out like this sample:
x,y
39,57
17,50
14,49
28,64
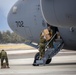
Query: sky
x,y
5,6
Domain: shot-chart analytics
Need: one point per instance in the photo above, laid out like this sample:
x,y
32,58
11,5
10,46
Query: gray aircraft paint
x,y
69,37
29,12
59,13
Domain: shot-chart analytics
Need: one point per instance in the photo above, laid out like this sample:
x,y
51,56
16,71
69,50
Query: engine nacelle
x,y
59,12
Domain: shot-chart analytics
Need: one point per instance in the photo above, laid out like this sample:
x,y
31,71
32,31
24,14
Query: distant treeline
x,y
10,37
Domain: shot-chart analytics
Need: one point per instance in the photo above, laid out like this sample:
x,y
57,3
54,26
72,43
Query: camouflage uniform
x,y
48,33
45,37
4,57
51,34
42,46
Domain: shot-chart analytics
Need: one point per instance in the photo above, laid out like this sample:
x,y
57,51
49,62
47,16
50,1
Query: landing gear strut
x,y
49,53
37,58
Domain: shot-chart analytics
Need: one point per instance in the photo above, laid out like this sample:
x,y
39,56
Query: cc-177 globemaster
x,y
29,17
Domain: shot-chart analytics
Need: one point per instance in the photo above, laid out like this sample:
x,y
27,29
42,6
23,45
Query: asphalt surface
x,y
64,63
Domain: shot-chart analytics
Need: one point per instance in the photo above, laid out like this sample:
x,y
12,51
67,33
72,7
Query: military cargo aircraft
x,y
29,17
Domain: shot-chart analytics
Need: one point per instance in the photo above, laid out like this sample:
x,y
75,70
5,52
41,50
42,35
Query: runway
x,y
64,63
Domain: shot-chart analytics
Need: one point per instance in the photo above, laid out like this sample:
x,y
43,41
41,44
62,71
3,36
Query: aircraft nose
x,y
12,17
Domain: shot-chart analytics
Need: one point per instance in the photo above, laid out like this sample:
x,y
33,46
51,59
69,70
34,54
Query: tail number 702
x,y
19,23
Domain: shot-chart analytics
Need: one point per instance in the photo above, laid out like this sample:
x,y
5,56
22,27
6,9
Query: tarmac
x,y
20,61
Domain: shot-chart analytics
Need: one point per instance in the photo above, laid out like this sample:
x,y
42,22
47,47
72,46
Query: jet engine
x,y
60,13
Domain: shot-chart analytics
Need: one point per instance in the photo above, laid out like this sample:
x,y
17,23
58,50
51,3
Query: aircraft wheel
x,y
48,61
36,58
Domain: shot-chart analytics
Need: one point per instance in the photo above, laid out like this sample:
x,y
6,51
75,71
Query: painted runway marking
x,y
32,51
22,51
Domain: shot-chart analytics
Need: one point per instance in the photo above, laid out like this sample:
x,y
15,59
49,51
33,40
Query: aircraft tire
x,y
36,58
48,61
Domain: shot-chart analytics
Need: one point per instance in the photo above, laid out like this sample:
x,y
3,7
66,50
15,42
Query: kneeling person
x,y
4,57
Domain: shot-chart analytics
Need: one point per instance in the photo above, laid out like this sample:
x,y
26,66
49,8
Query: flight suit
x,y
4,57
42,46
